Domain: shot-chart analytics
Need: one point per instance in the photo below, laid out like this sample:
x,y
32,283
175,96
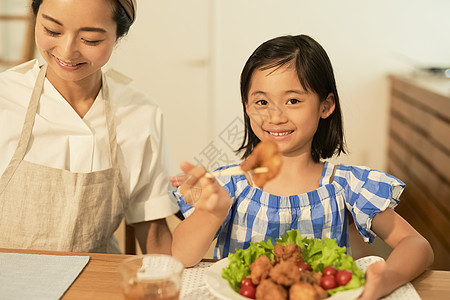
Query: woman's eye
x,y
91,43
262,102
50,32
293,101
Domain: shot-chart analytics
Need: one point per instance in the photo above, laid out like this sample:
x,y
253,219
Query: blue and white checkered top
x,y
256,215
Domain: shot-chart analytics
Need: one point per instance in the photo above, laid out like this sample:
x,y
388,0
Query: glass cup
x,y
151,277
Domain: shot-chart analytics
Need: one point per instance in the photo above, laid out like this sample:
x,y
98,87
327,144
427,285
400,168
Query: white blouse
x,y
62,139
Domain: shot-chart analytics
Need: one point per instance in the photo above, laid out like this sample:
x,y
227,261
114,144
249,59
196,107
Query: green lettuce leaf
x,y
240,261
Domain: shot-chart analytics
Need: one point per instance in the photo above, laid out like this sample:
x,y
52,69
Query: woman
x,y
80,149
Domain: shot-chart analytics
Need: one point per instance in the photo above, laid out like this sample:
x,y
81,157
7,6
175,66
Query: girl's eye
x,y
293,101
50,32
91,43
262,102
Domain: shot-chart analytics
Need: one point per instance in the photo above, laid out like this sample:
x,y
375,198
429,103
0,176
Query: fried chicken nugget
x,y
291,252
305,291
260,269
269,290
285,273
310,277
265,154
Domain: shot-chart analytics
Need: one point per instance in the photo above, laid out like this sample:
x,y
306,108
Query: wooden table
x,y
101,280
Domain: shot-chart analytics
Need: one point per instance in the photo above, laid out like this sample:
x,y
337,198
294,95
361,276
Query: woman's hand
x,y
204,193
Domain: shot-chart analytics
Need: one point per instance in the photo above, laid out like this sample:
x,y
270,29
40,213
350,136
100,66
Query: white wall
x,y
166,52
13,32
209,42
366,40
189,55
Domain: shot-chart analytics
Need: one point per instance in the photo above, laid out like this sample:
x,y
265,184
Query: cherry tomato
x,y
304,266
328,282
246,281
329,270
248,289
343,277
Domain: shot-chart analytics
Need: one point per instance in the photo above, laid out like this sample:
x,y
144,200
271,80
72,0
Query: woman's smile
x,y
68,66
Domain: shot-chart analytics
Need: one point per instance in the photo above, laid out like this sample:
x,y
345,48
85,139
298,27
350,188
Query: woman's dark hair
x,y
315,74
120,16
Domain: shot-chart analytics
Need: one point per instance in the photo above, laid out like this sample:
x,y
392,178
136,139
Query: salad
x,y
325,262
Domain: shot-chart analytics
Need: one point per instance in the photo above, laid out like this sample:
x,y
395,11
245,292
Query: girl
x,y
289,96
77,165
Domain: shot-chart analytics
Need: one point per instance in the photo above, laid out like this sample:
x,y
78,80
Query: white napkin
x,y
35,276
405,292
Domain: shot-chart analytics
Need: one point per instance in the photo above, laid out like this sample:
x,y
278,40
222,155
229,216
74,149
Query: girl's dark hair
x,y
119,15
315,74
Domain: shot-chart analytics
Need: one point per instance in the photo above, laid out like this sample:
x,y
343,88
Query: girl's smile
x,y
279,135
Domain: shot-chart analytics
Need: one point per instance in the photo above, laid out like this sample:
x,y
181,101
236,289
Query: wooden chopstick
x,y
235,171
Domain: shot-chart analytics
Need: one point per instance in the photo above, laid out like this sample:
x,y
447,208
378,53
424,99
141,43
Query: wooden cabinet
x,y
419,154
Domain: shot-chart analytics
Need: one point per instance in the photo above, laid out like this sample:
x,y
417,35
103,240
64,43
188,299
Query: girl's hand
x,y
204,193
373,288
410,256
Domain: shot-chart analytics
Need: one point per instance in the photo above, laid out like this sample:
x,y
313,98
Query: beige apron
x,y
53,209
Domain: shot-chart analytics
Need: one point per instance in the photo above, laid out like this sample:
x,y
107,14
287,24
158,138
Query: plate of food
x,y
293,265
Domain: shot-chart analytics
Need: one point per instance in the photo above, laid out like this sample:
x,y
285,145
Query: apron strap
x,y
26,130
110,123
112,137
30,115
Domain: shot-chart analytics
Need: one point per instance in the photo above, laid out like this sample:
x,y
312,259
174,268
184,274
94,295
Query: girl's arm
x,y
410,256
193,236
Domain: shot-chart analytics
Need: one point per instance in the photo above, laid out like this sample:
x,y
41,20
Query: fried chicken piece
x,y
320,291
305,291
291,252
265,154
269,290
260,269
285,273
310,277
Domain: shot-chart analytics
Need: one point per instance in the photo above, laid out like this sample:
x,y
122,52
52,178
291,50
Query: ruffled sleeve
x,y
369,192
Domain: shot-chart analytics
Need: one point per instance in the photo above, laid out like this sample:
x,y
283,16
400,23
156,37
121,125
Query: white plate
x,y
220,287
